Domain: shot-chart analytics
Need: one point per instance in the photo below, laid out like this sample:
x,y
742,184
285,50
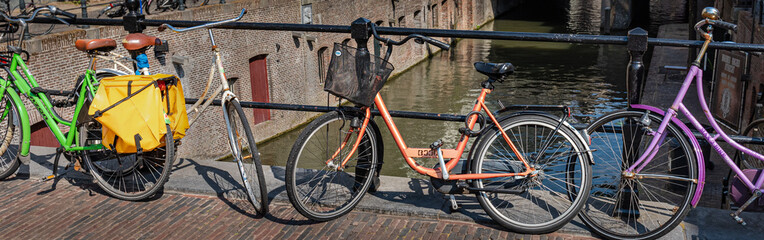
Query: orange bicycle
x,y
530,170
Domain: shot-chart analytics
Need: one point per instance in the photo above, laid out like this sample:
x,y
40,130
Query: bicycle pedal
x,y
77,166
48,178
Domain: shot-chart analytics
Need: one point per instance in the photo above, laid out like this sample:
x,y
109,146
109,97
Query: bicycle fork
x,y
361,131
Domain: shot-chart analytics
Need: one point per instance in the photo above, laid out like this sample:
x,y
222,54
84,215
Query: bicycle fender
x,y
111,70
695,145
23,120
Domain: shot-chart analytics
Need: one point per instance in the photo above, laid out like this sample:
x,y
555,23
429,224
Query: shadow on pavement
x,y
226,186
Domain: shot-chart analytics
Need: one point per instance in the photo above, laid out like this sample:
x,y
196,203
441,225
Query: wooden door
x,y
258,75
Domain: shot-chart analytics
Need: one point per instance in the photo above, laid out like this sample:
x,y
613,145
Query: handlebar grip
x,y
725,25
65,13
437,43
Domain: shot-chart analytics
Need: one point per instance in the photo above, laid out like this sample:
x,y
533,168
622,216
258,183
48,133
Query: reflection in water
x,y
588,78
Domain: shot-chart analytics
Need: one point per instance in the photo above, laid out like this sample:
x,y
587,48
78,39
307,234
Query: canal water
x,y
588,78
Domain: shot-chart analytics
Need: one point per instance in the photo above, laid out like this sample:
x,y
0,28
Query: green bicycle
x,y
127,176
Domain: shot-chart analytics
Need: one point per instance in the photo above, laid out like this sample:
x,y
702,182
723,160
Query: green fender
x,y
23,118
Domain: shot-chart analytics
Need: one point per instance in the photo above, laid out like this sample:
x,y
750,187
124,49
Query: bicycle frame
x,y
454,155
696,74
24,84
217,64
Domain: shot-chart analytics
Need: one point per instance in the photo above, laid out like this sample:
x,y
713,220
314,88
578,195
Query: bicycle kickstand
x,y
736,214
55,175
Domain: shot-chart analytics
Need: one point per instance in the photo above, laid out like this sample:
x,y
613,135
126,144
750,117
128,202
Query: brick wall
x,y
292,60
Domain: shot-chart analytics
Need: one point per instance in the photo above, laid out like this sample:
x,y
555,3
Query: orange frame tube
x,y
456,153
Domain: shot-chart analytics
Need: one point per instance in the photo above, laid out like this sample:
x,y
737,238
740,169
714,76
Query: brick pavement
x,y
76,210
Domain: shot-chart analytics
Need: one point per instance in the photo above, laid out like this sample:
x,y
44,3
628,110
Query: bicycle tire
x,y
125,181
607,140
29,29
346,187
113,11
754,129
10,139
251,169
557,191
160,5
146,6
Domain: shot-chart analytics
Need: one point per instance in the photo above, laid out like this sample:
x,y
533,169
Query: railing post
x,y
22,7
635,75
84,7
360,31
132,20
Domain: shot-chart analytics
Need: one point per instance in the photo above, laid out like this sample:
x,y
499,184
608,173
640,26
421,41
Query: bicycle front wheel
x,y
541,202
647,206
315,186
245,154
10,138
127,176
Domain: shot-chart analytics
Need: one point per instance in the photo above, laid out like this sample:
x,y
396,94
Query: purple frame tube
x,y
697,74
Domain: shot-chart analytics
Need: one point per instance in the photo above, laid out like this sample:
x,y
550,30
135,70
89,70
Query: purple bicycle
x,y
649,168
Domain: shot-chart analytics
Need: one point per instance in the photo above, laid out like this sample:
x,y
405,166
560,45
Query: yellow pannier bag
x,y
135,108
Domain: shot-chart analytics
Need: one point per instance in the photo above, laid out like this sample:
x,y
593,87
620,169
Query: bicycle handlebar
x,y
67,14
52,9
718,23
417,38
208,25
723,24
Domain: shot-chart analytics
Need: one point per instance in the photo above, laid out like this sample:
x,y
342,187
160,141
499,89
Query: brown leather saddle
x,y
138,41
100,45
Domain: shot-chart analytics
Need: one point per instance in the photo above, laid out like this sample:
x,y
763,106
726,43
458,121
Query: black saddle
x,y
495,71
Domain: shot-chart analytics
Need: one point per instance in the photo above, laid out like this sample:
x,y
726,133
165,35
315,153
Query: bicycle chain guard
x,y
739,192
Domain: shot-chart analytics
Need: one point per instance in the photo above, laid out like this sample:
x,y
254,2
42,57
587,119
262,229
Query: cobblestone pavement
x,y
75,210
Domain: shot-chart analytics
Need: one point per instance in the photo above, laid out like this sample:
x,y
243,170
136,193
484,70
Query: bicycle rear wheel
x,y
316,188
638,208
535,204
245,154
10,138
123,175
754,129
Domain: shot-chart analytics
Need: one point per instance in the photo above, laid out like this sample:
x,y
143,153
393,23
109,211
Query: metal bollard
x,y
635,75
636,72
84,6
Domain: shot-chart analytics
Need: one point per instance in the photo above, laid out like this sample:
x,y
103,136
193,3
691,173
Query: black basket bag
x,y
357,80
